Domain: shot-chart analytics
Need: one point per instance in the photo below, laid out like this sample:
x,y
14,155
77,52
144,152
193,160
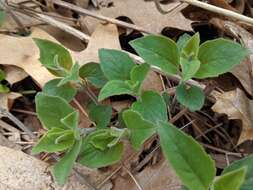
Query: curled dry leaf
x,y
236,105
142,13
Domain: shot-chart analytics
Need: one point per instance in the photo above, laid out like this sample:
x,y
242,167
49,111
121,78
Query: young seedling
x,y
117,74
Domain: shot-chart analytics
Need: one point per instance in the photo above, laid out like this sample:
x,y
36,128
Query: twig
x,y
219,10
21,28
176,8
221,150
80,35
133,178
15,120
100,17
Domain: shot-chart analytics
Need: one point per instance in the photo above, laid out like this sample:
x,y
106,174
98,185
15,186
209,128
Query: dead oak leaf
x,y
22,52
142,13
236,105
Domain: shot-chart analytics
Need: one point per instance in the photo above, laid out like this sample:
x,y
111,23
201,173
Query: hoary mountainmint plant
x,y
117,74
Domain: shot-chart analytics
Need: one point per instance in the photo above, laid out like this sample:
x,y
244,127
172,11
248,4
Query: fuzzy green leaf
x,y
96,158
71,120
189,67
71,76
181,42
100,138
93,73
48,142
100,114
4,88
231,180
66,91
115,87
245,162
139,72
2,17
54,56
2,75
193,166
192,97
51,109
159,51
115,64
140,129
191,48
152,107
63,168
219,56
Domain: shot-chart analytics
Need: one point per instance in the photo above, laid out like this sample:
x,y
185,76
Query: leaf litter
x,y
21,52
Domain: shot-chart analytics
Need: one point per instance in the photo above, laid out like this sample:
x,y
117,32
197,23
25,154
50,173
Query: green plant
x,y
3,87
117,74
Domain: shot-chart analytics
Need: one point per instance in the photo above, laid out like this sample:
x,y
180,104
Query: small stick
x,y
219,10
133,178
101,17
21,28
15,120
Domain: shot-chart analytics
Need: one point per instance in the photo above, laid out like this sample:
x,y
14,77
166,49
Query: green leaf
x,y
139,72
63,168
2,75
231,180
100,114
72,76
151,106
219,56
159,51
93,73
140,129
54,56
95,158
115,64
192,97
118,134
191,48
66,91
48,142
4,88
194,167
115,87
245,162
2,17
101,138
51,109
71,120
189,67
181,42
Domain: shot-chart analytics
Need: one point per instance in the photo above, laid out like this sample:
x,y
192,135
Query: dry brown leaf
x,y
7,99
142,14
152,82
23,52
14,74
236,105
105,36
157,177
